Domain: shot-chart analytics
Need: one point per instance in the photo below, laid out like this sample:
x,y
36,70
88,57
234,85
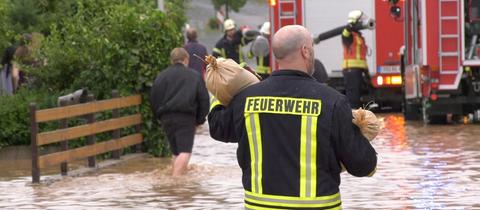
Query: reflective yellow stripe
x,y
263,69
240,54
359,45
313,162
346,33
214,102
303,157
260,155
224,54
252,124
293,202
308,157
351,63
218,51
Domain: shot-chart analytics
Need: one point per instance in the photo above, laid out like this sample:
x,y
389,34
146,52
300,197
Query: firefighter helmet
x,y
354,16
265,29
228,24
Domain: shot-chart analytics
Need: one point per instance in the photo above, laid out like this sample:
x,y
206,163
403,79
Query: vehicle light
x,y
434,97
273,3
379,80
396,80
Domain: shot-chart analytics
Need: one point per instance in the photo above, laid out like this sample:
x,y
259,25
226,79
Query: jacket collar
x,y
290,72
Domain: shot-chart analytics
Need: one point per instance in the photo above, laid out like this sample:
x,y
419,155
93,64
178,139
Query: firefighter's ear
x,y
304,51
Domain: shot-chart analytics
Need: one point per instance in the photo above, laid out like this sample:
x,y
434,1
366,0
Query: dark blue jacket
x,y
179,89
292,132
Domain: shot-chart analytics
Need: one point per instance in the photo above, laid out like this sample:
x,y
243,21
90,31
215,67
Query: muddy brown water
x,y
420,167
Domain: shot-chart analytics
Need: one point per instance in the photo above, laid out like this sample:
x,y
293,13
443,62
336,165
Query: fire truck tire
x,y
412,112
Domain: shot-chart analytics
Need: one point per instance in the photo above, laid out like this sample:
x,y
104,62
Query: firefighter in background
x,y
230,45
354,57
261,50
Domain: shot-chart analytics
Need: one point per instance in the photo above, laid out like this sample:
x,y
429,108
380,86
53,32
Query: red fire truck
x,y
384,42
442,59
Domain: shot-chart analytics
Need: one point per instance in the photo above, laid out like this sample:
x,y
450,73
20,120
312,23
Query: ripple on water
x,y
419,167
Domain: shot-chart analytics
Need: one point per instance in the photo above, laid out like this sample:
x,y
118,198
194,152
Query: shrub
x,y
15,118
6,30
110,46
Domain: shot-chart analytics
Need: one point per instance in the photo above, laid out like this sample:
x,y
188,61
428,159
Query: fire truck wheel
x,y
412,112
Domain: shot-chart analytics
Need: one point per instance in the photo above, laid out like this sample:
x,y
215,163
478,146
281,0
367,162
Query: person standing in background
x,y
354,57
261,50
7,86
194,48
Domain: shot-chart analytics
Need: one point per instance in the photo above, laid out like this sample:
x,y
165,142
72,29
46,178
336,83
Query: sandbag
x,y
225,78
367,122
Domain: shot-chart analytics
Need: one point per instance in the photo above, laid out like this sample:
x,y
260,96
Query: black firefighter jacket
x,y
293,133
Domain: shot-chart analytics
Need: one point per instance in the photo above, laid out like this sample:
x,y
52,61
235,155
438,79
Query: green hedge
x,y
6,29
15,118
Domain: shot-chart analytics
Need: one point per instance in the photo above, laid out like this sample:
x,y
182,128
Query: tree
x,y
235,5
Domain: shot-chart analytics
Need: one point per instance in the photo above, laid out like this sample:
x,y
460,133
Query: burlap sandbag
x,y
225,78
367,122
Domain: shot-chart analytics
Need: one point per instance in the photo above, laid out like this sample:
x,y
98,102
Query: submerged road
x,y
419,167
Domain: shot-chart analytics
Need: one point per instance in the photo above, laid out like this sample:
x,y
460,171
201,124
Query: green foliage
x,y
98,45
27,16
106,47
6,31
175,10
15,118
234,5
213,23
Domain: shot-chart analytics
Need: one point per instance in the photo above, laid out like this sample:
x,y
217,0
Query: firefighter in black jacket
x,y
293,133
230,45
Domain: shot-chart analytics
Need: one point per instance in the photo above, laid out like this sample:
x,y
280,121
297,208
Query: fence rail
x,y
89,130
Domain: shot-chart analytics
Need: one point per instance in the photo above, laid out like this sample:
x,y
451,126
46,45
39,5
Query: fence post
x,y
137,147
115,133
64,144
33,139
92,138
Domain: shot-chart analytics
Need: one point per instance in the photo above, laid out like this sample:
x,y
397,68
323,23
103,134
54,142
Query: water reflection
x,y
420,167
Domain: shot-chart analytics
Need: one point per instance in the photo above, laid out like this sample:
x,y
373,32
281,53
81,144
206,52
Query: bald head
x,y
288,40
292,46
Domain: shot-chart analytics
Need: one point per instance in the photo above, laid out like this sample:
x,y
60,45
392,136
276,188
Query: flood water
x,y
420,167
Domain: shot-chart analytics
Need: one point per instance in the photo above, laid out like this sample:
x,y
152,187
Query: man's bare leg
x,y
181,163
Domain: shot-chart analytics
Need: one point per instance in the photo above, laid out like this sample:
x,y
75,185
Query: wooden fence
x,y
92,127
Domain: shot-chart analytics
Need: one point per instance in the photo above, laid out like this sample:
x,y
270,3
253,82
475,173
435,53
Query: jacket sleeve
x,y
351,147
156,96
347,38
217,50
203,101
220,121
